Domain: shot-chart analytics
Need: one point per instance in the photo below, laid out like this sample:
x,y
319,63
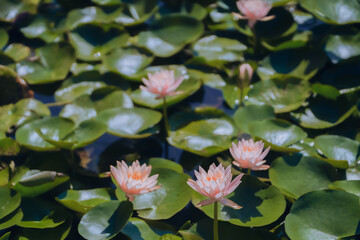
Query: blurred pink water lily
x,y
134,179
215,184
163,83
253,10
249,154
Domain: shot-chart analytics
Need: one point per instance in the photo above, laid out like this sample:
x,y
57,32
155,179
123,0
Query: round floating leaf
x,y
325,214
209,79
217,50
139,229
170,34
105,220
93,41
166,201
32,183
83,200
41,214
11,219
9,147
57,233
296,175
244,116
227,231
340,151
262,204
43,28
57,128
343,47
9,201
17,51
284,96
54,63
301,63
10,9
129,62
136,12
352,186
278,134
4,38
204,137
188,87
334,12
164,163
130,122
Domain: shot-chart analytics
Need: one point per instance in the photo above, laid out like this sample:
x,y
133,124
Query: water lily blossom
x,y
253,10
134,179
215,184
163,83
249,154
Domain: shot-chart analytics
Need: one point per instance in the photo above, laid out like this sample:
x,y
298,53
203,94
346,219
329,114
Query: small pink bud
x,y
245,75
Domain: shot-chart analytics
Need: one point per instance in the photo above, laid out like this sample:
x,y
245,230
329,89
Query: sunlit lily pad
x,y
352,186
57,233
9,200
11,219
129,62
84,200
136,12
340,151
299,63
137,228
334,12
343,47
32,183
339,213
4,38
9,147
54,63
17,51
130,122
105,220
244,116
262,204
164,38
279,134
288,174
283,96
93,41
10,9
41,214
43,28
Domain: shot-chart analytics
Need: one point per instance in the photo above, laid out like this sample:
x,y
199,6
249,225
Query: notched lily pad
x,y
244,116
342,47
352,186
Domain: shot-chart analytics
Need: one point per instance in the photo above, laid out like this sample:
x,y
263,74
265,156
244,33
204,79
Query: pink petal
x,y
205,202
229,203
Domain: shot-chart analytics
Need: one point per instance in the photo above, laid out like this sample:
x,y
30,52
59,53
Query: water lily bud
x,y
245,75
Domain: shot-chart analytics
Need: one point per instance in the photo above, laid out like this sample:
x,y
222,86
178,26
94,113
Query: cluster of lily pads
x,y
70,106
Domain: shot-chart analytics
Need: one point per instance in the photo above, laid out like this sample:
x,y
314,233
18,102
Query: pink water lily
x,y
253,10
249,154
215,184
134,179
163,83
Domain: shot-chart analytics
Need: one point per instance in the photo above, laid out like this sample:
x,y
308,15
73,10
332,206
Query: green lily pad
x,y
217,50
32,183
343,47
166,201
209,79
244,116
136,12
296,175
226,231
130,122
93,41
279,134
17,51
4,37
10,9
87,107
339,213
4,174
188,87
164,163
57,128
298,40
11,219
42,214
325,90
83,200
128,62
163,38
262,204
54,63
301,63
204,137
9,200
9,147
340,151
43,28
137,228
105,220
334,12
283,96
352,186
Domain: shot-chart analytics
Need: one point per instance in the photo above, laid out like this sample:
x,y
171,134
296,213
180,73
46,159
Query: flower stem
x,y
216,231
167,128
249,171
241,97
